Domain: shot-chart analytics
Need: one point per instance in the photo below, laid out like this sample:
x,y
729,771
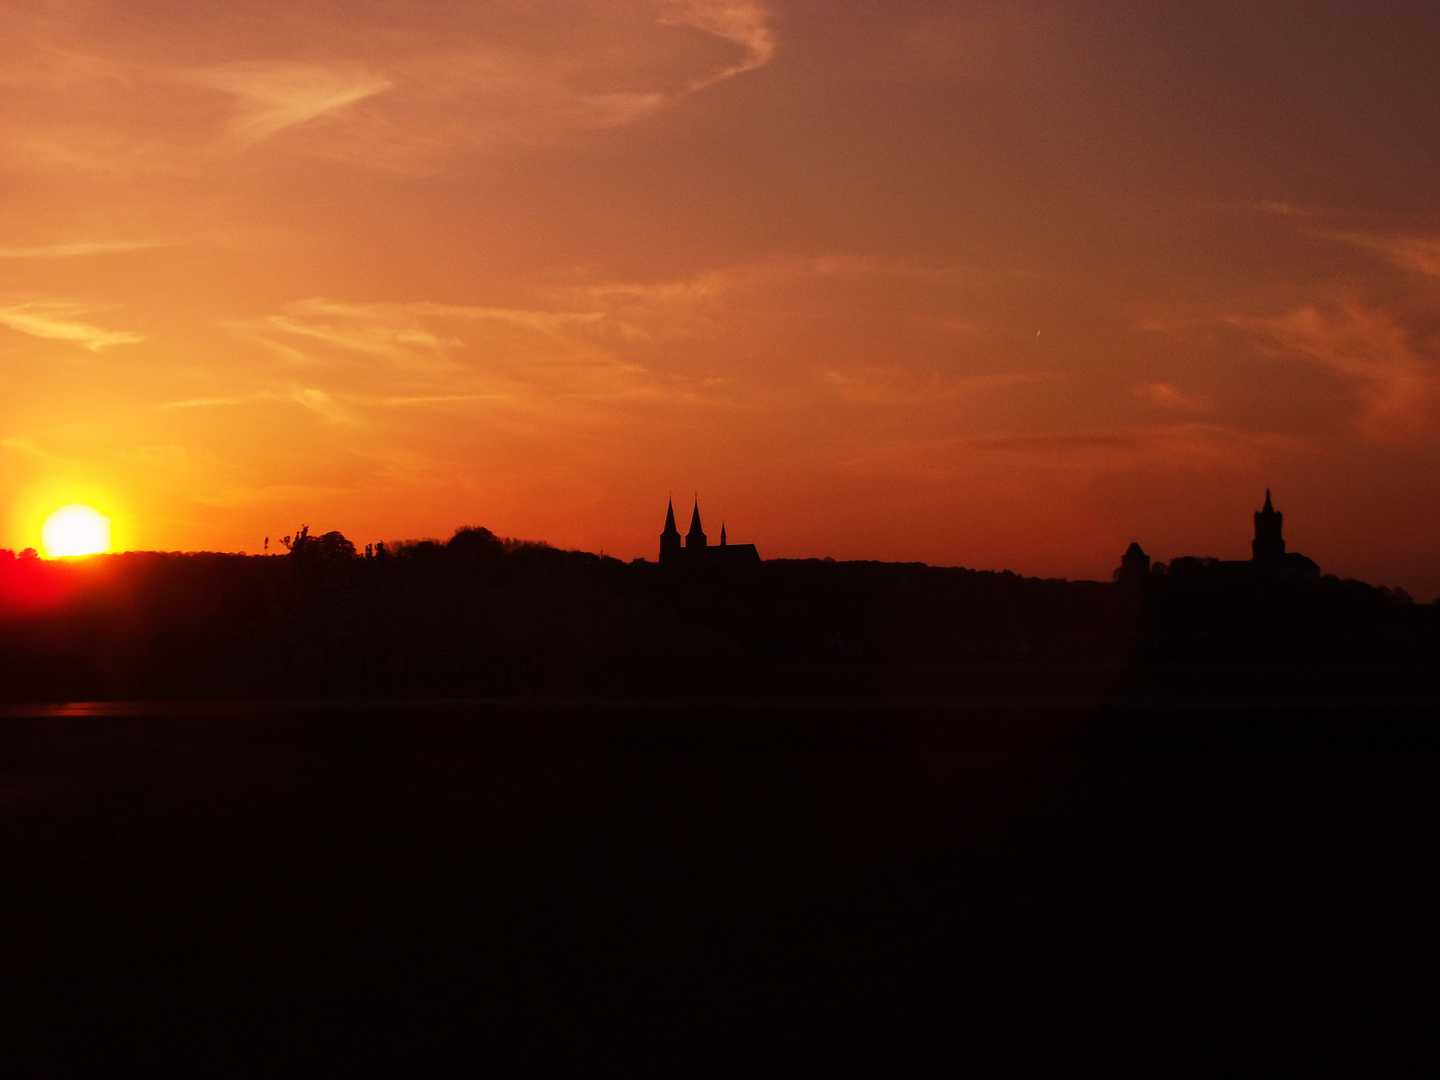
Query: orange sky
x,y
989,284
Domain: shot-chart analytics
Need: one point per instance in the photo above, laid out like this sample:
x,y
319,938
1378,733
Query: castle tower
x,y
695,538
1268,545
670,538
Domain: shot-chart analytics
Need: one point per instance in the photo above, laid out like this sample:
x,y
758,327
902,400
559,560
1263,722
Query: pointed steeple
x,y
696,536
1269,542
722,534
670,538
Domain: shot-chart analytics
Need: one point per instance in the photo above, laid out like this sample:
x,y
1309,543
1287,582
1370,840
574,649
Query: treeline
x,y
479,614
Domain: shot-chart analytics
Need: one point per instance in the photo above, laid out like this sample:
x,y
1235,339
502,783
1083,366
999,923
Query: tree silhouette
x,y
327,547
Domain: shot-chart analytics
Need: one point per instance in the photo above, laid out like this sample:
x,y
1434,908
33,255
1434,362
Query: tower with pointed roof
x,y
696,554
1268,557
695,538
1269,544
670,539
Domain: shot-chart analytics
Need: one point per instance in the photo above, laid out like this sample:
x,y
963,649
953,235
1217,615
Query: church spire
x,y
722,534
1269,542
696,536
670,538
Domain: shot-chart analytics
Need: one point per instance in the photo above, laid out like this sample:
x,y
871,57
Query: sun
x,y
76,529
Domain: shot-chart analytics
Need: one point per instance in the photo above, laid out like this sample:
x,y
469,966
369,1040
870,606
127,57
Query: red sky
x,y
988,284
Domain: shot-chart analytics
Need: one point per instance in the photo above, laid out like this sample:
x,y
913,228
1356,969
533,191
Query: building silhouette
x,y
1268,544
1268,556
1267,550
1134,565
697,551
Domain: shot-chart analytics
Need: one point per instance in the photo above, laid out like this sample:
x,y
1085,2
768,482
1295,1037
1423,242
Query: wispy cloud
x,y
61,320
440,399
419,336
899,386
211,402
391,89
392,332
274,96
589,356
1165,396
24,447
75,250
320,402
1395,383
1194,445
710,293
1418,253
743,22
397,355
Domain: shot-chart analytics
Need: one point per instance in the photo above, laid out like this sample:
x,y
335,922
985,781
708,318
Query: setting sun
x,y
76,530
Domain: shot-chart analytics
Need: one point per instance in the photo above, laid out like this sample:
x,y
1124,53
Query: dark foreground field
x,y
1176,888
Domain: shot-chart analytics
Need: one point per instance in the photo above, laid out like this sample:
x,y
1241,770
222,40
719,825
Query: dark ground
x,y
1170,889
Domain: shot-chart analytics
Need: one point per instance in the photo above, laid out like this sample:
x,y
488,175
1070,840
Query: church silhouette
x,y
1268,556
697,551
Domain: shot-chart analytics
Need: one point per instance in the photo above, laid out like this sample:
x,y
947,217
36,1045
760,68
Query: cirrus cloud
x,y
276,95
62,320
1394,380
398,88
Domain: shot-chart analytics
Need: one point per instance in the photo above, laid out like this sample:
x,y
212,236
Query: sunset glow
x,y
76,530
1002,285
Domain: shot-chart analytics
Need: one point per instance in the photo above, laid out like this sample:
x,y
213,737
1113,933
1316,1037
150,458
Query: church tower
x,y
695,556
670,538
695,538
1268,545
